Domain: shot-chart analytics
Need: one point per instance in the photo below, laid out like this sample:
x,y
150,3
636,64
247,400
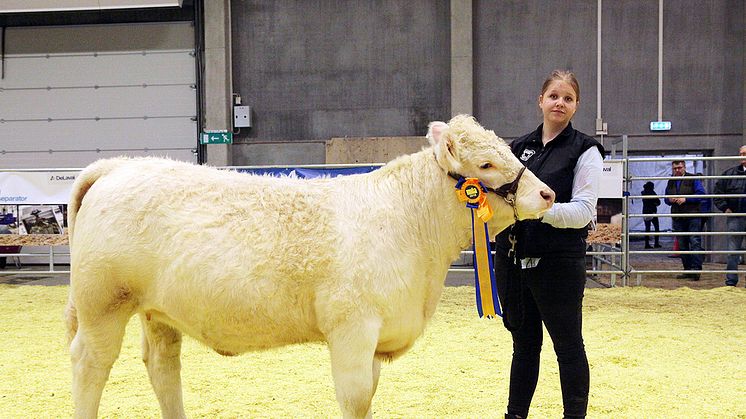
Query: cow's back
x,y
210,252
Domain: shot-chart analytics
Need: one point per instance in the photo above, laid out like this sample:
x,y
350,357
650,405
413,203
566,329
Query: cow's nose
x,y
548,196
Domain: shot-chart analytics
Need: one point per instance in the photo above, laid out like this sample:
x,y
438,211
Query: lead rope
x,y
510,199
513,281
513,240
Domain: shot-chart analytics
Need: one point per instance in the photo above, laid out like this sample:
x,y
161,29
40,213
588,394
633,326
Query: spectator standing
x,y
705,208
650,206
691,225
729,186
6,220
4,229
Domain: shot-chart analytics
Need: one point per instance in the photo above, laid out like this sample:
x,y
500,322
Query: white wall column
x,y
462,58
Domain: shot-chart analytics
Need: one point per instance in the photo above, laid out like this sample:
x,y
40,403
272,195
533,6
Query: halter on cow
x,y
507,192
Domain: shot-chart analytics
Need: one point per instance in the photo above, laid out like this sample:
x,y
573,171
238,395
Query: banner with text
x,y
28,188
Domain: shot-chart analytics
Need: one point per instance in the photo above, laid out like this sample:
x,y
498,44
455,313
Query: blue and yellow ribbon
x,y
471,191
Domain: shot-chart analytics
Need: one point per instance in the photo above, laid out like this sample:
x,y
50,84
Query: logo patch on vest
x,y
527,154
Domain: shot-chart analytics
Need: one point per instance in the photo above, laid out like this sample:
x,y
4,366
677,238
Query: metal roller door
x,y
74,94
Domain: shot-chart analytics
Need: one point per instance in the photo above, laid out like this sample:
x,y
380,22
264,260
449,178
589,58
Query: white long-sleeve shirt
x,y
582,206
585,184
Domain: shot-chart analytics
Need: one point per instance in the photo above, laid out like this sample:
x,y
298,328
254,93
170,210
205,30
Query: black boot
x,y
509,416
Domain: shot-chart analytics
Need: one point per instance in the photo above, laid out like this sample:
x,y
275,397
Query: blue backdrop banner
x,y
303,172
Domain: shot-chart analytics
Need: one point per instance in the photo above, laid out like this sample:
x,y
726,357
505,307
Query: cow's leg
x,y
376,374
93,350
161,352
352,348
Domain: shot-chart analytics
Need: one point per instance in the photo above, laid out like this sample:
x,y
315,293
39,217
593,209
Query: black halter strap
x,y
509,188
505,190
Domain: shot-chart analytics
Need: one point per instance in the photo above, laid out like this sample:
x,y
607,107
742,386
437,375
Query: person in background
x,y
730,186
543,284
705,208
7,221
42,226
4,229
650,206
691,225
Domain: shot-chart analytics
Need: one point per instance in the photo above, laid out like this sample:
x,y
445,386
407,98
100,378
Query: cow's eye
x,y
485,165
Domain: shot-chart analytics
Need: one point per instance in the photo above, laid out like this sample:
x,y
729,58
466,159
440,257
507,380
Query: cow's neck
x,y
444,223
424,196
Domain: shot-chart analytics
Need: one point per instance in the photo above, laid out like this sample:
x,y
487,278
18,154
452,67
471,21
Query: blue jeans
x,y
691,262
738,225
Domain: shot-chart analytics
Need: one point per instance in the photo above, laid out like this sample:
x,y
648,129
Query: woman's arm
x,y
582,206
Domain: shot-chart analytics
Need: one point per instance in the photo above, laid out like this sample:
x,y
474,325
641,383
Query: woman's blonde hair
x,y
562,75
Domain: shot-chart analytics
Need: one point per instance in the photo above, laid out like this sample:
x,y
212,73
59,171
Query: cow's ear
x,y
444,145
435,132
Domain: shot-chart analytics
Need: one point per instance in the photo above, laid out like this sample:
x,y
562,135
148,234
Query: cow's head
x,y
463,147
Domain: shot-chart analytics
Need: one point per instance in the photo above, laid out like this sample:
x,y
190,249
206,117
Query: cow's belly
x,y
233,322
397,338
399,332
236,339
404,325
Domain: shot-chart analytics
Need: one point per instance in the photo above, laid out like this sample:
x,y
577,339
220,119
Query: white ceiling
x,y
25,6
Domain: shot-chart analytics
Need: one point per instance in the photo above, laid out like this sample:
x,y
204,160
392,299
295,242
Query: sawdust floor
x,y
663,353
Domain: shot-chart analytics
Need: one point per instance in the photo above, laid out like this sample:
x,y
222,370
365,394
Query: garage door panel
x,y
104,134
81,159
110,69
102,103
95,96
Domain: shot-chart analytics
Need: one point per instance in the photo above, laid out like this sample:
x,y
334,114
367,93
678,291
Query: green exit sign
x,y
660,126
216,137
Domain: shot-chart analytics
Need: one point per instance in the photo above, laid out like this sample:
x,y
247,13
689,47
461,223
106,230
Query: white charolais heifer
x,y
243,263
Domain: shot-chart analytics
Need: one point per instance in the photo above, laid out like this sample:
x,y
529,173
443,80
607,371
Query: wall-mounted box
x,y
242,116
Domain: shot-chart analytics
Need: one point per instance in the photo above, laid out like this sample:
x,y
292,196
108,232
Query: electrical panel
x,y
242,116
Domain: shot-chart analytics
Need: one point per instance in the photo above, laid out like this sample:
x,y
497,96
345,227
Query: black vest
x,y
554,165
686,187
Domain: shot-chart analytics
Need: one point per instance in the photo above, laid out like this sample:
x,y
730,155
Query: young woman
x,y
541,278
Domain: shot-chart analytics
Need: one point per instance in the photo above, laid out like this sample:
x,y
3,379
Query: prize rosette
x,y
471,191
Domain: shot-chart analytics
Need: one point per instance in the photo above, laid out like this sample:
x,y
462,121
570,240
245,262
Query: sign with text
x,y
612,178
36,187
660,126
216,137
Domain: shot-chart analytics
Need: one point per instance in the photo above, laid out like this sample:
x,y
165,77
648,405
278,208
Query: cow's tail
x,y
82,184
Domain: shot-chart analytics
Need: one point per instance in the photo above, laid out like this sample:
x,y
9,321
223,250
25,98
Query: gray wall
x,y
702,62
629,84
516,45
703,78
315,70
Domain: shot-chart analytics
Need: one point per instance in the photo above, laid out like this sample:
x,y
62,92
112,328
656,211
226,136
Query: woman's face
x,y
558,103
